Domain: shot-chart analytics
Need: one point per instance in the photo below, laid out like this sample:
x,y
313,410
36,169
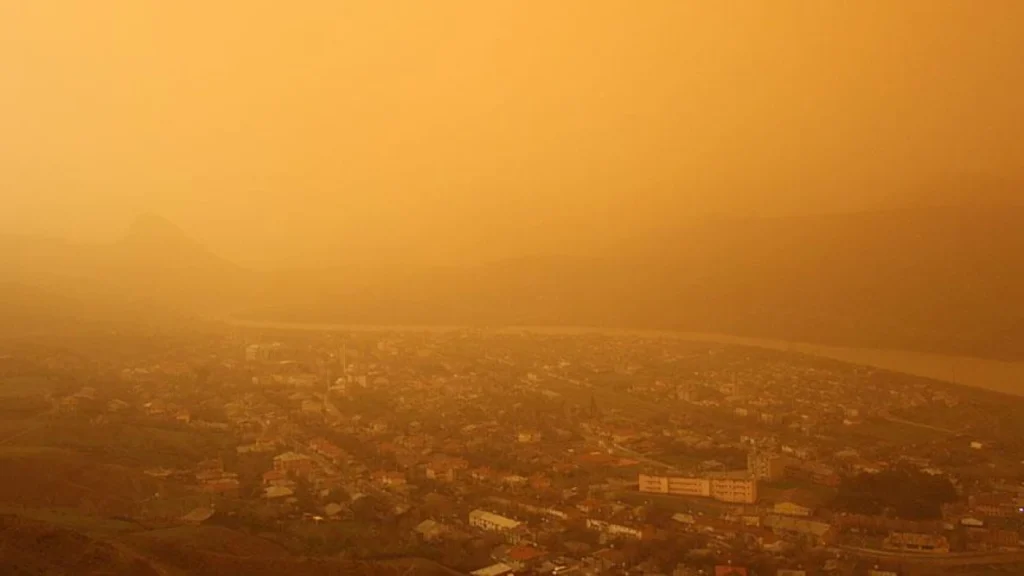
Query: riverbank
x,y
994,375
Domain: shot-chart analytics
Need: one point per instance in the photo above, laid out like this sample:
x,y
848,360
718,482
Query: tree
x,y
902,493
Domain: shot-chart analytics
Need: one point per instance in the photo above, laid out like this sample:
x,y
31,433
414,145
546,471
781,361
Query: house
x,y
519,555
293,463
909,541
223,485
430,531
795,503
391,478
312,407
333,510
514,480
731,571
611,529
276,478
483,474
817,532
529,437
275,492
440,471
444,468
498,569
608,559
790,508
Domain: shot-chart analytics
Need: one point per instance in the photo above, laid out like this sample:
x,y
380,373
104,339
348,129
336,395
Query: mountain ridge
x,y
941,279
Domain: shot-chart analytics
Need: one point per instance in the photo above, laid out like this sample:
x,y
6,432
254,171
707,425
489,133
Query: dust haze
x,y
519,288
462,132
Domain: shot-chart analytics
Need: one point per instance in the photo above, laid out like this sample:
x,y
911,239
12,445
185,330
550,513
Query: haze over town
x,y
527,288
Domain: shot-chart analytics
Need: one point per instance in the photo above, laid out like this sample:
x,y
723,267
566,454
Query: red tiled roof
x,y
525,553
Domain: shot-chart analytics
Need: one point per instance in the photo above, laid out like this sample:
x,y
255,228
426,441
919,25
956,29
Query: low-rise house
x,y
430,531
615,530
277,492
808,530
911,542
226,486
389,478
293,463
498,569
529,437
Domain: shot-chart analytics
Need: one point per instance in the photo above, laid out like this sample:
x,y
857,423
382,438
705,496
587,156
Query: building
x,y
312,406
391,478
529,437
808,530
274,492
225,485
790,508
735,490
492,522
430,531
617,530
440,471
725,488
293,463
795,502
498,569
766,466
916,542
677,486
262,352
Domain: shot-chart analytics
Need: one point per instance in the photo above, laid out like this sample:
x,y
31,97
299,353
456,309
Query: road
x,y
53,410
905,422
950,559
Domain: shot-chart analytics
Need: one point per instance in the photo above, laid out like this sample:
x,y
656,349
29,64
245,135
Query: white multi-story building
x,y
726,488
734,490
492,522
766,466
614,529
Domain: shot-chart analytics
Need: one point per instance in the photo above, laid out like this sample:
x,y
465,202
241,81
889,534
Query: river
x,y
999,376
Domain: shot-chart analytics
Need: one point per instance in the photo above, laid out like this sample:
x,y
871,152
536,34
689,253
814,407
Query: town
x,y
518,452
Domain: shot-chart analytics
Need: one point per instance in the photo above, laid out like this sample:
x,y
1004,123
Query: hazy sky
x,y
319,131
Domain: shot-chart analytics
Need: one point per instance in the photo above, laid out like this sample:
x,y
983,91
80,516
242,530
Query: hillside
x,y
29,546
938,280
943,280
153,272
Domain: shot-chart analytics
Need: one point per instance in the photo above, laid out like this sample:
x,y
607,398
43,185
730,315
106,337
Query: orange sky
x,y
324,131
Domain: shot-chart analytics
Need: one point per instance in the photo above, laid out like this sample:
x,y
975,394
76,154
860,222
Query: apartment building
x,y
725,488
491,522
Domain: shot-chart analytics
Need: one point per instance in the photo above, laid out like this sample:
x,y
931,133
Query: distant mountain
x,y
944,280
947,280
154,270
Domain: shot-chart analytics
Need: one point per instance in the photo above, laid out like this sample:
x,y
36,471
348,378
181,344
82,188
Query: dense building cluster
x,y
564,453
